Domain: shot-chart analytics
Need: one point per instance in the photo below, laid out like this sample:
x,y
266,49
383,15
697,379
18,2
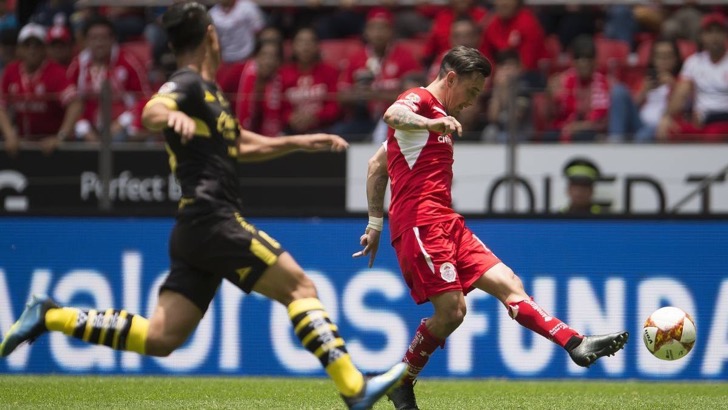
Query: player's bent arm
x,y
377,178
402,118
156,114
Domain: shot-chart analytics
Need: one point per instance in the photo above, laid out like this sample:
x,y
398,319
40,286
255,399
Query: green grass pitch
x,y
150,392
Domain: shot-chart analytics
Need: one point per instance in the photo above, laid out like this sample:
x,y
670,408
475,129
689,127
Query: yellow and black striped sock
x,y
321,337
117,329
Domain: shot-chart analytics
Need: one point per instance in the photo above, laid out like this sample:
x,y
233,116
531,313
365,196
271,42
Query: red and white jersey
x,y
126,75
36,102
420,168
312,91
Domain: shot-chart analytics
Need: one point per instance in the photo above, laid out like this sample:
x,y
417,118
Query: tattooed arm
x,y
377,179
400,117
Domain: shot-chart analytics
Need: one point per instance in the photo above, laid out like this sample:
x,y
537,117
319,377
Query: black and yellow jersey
x,y
205,165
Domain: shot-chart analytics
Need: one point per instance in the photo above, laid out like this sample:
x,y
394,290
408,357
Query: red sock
x,y
531,316
419,351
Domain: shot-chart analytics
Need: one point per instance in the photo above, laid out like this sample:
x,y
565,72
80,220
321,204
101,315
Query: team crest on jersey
x,y
167,88
447,272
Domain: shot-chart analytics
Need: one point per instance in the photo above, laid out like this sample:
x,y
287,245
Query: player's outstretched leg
x,y
29,326
592,348
117,329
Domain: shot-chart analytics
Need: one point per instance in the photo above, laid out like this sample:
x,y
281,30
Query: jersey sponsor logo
x,y
447,272
444,139
412,97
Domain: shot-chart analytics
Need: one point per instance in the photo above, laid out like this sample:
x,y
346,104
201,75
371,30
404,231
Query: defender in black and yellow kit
x,y
211,240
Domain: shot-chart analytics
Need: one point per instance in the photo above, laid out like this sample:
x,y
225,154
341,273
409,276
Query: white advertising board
x,y
638,178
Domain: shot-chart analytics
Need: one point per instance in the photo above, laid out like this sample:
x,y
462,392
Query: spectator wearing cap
x,y
581,175
372,78
60,45
37,101
704,76
102,60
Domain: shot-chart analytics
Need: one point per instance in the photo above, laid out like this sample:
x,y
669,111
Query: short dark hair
x,y
98,20
186,24
465,61
583,47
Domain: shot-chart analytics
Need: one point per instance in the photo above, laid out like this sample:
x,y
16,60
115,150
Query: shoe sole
x,y
616,345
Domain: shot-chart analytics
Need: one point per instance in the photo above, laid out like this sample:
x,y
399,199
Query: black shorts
x,y
205,250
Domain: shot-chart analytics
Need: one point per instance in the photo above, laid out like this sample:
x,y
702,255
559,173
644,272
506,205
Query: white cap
x,y
32,30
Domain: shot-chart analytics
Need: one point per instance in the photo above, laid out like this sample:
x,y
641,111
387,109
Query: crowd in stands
x,y
563,73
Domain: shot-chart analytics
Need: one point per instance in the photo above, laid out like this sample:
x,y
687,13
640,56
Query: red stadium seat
x,y
416,46
336,52
555,60
142,50
611,53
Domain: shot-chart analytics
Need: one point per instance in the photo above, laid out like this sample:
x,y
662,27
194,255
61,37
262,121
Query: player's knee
x,y
454,316
304,287
162,346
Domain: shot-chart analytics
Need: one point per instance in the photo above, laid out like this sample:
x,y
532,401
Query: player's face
x,y
464,91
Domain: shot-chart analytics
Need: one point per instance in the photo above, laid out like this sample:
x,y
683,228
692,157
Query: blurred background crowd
x,y
642,73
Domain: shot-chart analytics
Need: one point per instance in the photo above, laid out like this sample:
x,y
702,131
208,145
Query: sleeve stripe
x,y
167,101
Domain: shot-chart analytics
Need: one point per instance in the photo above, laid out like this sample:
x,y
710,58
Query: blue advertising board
x,y
597,275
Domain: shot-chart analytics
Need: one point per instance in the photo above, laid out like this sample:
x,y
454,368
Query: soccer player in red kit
x,y
37,102
440,258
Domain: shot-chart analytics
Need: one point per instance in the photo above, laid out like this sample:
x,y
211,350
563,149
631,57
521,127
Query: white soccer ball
x,y
669,333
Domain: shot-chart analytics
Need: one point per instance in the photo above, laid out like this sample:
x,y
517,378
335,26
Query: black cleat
x,y
592,348
376,387
403,397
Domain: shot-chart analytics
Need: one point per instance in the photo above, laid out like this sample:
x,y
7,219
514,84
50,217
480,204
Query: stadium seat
x,y
540,113
142,50
336,52
555,59
611,53
415,45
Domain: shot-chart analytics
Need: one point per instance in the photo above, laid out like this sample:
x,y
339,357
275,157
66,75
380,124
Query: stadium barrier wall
x,y
599,276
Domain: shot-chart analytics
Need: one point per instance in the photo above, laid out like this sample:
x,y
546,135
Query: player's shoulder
x,y
185,78
417,95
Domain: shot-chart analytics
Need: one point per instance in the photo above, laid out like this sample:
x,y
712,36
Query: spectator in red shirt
x,y
37,102
438,40
580,96
309,87
60,45
373,78
101,60
514,27
259,104
463,32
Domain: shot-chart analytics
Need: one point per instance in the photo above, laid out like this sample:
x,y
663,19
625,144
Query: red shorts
x,y
441,257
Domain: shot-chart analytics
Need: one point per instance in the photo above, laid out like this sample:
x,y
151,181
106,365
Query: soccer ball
x,y
669,333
